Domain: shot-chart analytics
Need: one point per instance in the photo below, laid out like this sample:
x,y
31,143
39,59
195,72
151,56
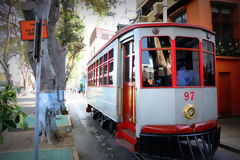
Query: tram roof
x,y
144,25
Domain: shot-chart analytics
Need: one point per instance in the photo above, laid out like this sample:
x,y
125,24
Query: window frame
x,y
110,60
94,78
177,14
214,59
155,49
219,20
199,50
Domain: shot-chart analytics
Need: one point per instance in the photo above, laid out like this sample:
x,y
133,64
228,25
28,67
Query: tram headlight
x,y
190,111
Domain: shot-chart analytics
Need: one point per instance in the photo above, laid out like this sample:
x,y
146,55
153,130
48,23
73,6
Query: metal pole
x,y
164,11
37,56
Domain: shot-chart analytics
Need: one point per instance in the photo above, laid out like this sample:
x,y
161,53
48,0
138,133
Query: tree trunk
x,y
57,54
5,67
4,58
24,80
70,66
41,9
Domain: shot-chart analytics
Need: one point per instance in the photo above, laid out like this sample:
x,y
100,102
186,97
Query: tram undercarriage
x,y
197,145
200,145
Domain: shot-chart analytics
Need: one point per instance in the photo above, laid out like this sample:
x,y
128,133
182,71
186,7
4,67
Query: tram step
x,y
129,133
127,125
126,144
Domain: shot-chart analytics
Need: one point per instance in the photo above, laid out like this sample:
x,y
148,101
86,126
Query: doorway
x,y
129,105
225,94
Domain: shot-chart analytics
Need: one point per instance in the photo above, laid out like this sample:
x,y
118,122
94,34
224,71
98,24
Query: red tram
x,y
157,83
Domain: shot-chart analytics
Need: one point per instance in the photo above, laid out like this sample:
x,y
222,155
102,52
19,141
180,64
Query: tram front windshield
x,y
157,62
187,61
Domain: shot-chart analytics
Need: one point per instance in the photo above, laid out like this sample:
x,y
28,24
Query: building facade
x,y
221,16
99,38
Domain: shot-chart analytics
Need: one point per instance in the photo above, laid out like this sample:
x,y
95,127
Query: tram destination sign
x,y
27,30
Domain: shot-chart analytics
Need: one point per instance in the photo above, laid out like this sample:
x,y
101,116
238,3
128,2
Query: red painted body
x,y
180,128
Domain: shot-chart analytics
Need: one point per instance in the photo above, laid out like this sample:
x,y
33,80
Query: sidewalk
x,y
230,133
19,144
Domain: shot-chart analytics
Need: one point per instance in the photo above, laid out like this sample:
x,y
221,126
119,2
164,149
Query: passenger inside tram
x,y
187,69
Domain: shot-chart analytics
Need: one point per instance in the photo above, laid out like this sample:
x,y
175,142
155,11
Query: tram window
x,y
150,42
94,77
208,69
105,57
110,67
188,73
105,68
127,72
208,63
127,47
110,80
133,68
97,74
97,71
185,42
111,54
105,80
101,70
156,68
207,46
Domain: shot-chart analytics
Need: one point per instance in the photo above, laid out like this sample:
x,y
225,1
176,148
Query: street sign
x,y
27,30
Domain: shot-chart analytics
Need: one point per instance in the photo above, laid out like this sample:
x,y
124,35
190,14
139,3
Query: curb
x,y
229,148
74,151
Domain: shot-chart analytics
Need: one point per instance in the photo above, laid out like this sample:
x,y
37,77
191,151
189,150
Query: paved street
x,y
93,142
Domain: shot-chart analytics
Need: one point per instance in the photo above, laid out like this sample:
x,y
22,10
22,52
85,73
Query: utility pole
x,y
164,11
37,58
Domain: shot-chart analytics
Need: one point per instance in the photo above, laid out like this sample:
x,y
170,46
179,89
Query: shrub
x,y
10,113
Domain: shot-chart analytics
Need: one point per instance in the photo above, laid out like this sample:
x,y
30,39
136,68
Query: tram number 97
x,y
188,95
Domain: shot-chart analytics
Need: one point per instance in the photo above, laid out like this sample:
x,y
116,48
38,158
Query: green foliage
x,y
228,49
220,50
69,33
100,7
70,27
10,113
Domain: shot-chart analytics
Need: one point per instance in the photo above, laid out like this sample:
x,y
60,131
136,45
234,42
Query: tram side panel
x,y
104,98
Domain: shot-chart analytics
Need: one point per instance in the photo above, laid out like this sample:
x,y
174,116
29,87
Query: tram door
x,y
129,108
